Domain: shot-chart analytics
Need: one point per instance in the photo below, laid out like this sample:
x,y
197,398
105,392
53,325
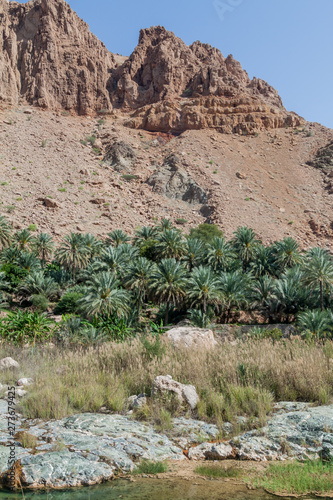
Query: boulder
x,y
220,451
18,393
174,182
186,394
121,156
211,451
6,363
199,452
135,402
191,336
25,381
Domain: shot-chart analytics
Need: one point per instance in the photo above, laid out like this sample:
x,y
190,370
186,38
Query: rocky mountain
x,y
212,145
50,59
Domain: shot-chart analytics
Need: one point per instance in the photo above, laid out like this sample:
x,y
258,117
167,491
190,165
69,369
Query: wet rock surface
x,y
89,448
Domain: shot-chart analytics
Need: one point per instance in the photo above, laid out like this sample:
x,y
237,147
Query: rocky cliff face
x,y
50,59
173,87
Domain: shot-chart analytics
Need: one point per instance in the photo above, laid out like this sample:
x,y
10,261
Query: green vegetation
x,y
181,221
160,273
294,478
148,467
206,232
232,380
90,139
129,177
215,471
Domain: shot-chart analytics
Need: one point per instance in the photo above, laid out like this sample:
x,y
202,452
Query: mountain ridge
x,y
50,59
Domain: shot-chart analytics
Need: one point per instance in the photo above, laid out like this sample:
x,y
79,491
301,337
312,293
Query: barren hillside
x,y
91,141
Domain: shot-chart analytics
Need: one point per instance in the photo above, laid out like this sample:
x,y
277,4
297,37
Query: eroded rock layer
x,y
49,58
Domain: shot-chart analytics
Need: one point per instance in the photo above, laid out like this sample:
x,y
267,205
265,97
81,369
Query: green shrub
x,y
206,232
90,139
25,326
32,227
68,303
294,478
129,177
149,467
39,302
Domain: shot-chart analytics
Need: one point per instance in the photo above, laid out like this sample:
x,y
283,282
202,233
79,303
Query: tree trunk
x,y
321,296
166,313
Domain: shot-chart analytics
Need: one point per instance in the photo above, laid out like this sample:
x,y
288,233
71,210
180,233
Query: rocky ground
x,y
86,449
50,178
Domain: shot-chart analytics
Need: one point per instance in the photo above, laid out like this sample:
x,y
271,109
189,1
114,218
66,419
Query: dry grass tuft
x,y
231,380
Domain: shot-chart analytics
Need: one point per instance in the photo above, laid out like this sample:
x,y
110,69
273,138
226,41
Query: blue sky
x,y
288,43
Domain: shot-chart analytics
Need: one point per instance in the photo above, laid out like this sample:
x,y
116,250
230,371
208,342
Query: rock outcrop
x,y
7,363
190,337
174,182
175,87
186,394
50,59
120,155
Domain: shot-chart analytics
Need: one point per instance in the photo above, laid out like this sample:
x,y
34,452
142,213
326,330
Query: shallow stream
x,y
150,489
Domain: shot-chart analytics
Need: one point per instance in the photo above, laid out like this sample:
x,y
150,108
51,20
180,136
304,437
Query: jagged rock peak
x,y
163,67
51,59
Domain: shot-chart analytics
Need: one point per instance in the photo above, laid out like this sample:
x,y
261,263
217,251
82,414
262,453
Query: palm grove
x,y
113,289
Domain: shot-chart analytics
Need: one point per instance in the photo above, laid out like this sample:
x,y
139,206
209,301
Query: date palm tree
x,y
164,224
234,287
203,288
317,323
37,284
287,254
94,267
28,261
194,253
5,232
138,279
219,254
43,246
262,294
290,296
245,243
23,239
170,244
318,273
104,296
143,235
263,261
72,253
168,283
114,259
117,237
94,245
